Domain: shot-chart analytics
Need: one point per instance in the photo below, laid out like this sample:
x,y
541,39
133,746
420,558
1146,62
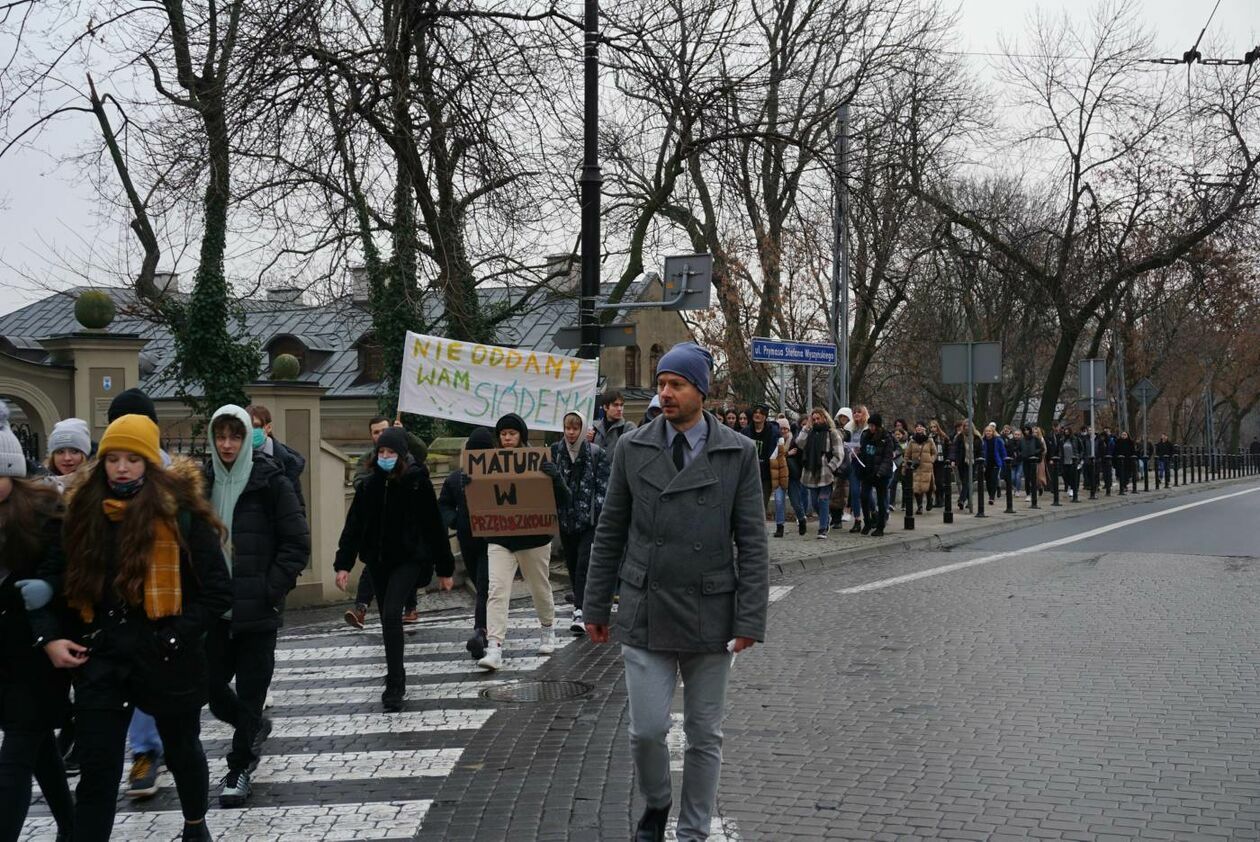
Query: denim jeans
x,y
821,499
1017,474
855,490
143,734
799,495
783,497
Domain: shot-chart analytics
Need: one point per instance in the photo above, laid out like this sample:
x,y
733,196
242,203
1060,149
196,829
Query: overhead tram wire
x,y
1192,56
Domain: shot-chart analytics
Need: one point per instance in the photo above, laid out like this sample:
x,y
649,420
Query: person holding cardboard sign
x,y
529,549
395,527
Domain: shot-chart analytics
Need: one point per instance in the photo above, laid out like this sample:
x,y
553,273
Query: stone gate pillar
x,y
105,364
295,418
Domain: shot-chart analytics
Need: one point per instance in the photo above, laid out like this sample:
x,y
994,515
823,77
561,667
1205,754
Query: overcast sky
x,y
45,210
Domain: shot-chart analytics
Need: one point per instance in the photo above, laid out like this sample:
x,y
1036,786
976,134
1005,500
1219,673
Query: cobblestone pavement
x,y
1080,692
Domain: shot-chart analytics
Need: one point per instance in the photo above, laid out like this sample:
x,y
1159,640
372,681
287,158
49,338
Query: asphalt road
x,y
1102,687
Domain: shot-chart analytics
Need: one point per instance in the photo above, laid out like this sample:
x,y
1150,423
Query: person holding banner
x,y
684,495
532,553
395,527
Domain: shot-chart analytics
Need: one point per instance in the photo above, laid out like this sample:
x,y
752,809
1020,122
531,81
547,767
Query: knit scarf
x,y
816,444
163,595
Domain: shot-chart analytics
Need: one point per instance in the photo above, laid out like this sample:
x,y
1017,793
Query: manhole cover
x,y
537,691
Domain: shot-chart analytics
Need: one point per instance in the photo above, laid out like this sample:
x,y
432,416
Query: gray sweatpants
x,y
651,678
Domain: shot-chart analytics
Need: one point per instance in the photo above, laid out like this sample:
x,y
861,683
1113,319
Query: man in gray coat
x,y
684,495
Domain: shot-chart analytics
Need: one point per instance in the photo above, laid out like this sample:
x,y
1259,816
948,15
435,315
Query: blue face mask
x,y
387,463
260,438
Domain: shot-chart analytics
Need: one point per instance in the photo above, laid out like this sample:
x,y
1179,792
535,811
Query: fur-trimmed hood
x,y
186,473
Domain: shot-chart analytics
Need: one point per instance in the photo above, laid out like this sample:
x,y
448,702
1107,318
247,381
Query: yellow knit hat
x,y
134,434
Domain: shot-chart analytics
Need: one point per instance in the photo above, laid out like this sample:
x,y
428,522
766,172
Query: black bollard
x,y
1054,481
907,491
983,490
1030,471
948,514
1010,492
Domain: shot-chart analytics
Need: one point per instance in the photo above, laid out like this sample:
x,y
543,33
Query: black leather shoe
x,y
652,825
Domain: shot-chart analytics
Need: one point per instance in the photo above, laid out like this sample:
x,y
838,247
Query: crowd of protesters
x,y
852,467
154,586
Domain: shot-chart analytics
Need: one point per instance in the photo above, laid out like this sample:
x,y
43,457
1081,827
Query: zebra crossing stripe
x,y
349,765
525,621
355,672
360,724
305,823
372,649
777,592
422,692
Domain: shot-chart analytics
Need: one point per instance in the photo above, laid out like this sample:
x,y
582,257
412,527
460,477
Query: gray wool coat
x,y
689,547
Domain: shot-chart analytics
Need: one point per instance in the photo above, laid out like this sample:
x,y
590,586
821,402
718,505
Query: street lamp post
x,y
591,182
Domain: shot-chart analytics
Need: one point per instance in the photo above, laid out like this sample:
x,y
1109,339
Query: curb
x,y
944,540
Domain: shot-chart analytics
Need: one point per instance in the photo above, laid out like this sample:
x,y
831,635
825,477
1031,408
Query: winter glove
x,y
551,469
465,480
36,593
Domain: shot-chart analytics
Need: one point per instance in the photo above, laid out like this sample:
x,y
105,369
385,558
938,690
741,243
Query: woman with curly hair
x,y
143,577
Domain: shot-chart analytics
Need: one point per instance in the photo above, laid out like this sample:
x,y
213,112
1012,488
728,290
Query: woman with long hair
x,y
395,527
823,457
34,697
143,577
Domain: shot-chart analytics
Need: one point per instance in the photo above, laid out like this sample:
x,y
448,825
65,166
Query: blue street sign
x,y
792,353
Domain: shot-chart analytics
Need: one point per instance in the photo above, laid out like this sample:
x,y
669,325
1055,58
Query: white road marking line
x,y
721,829
1036,548
359,724
306,823
348,766
301,671
777,592
374,649
332,695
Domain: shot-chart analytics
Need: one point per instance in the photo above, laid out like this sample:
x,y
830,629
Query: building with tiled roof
x,y
332,341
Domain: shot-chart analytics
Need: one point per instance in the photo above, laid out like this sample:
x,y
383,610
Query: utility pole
x,y
1123,424
840,264
591,181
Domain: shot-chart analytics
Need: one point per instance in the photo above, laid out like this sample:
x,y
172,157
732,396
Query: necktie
x,y
680,449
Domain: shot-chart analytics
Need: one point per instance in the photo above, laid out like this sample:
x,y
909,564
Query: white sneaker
x,y
548,645
494,657
577,626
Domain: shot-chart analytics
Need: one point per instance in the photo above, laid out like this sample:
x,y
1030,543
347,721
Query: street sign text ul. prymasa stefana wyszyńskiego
x,y
784,352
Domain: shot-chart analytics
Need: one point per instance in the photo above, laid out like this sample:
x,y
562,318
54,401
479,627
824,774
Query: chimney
x,y
564,272
167,281
285,295
360,286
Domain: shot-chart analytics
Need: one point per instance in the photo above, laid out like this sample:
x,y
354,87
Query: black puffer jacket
x,y
33,694
876,451
271,543
292,464
395,520
130,660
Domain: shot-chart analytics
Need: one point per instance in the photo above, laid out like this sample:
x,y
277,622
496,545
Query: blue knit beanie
x,y
691,362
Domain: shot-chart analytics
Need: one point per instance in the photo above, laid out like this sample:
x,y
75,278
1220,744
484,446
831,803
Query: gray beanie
x,y
70,433
12,459
690,361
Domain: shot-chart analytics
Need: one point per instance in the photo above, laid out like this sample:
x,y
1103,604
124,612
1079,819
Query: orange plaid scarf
x,y
163,595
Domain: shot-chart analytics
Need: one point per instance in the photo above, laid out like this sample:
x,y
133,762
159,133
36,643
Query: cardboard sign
x,y
477,383
509,493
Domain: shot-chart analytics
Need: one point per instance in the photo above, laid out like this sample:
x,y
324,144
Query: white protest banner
x,y
477,383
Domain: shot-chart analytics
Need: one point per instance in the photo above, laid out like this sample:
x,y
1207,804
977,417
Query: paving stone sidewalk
x,y
562,770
